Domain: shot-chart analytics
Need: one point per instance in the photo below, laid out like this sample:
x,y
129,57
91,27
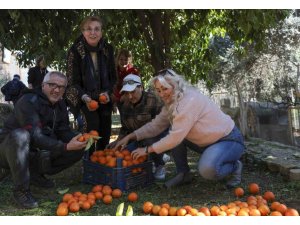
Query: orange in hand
x,y
102,98
93,105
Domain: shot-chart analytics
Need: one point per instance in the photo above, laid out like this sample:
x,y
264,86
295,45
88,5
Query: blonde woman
x,y
195,122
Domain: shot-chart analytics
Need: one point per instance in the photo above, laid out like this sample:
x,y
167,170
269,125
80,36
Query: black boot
x,y
179,179
25,199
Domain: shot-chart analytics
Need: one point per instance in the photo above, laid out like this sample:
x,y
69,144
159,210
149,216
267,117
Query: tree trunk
x,y
243,111
155,25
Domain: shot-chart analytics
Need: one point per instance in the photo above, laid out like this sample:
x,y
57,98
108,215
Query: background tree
x,y
266,75
158,38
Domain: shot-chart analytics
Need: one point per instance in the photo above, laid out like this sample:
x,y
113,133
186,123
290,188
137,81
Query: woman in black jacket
x,y
36,74
91,76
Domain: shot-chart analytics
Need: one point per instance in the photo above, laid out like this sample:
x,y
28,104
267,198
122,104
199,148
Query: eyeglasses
x,y
90,30
164,72
130,82
53,86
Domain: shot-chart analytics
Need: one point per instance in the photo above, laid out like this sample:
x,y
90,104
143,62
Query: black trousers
x,y
99,120
15,155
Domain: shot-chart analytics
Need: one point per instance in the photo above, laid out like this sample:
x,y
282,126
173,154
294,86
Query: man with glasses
x,y
37,140
140,107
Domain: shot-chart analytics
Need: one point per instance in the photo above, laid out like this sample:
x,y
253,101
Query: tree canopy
x,y
157,38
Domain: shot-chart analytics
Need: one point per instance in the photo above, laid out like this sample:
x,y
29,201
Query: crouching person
x,y
36,139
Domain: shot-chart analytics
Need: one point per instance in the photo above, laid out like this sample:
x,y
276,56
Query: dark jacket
x,y
82,77
12,90
47,124
36,76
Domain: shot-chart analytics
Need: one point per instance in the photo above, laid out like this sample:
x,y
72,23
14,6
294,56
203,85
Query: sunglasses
x,y
130,82
164,72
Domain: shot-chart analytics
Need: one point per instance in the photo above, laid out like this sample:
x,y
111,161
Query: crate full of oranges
x,y
117,169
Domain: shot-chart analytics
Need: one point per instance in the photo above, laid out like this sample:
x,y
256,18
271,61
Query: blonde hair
x,y
175,81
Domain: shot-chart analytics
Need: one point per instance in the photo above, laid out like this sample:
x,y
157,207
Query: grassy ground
x,y
200,193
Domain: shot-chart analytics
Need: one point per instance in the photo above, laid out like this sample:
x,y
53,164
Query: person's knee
x,y
207,172
20,137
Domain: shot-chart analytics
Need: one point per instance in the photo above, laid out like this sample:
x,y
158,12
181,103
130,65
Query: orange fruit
x,y
74,207
147,207
181,212
205,210
187,208
67,197
281,208
77,194
63,204
214,210
155,209
98,195
193,212
163,211
165,205
62,211
107,199
291,212
132,197
91,195
116,193
274,205
86,205
81,139
264,210
91,201
254,212
94,133
93,104
102,98
243,212
172,211
239,192
106,190
253,188
275,213
97,188
269,196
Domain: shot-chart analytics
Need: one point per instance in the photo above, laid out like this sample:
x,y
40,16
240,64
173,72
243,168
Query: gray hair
x,y
54,73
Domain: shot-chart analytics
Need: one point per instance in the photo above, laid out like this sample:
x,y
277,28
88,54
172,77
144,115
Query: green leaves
x,y
91,141
62,191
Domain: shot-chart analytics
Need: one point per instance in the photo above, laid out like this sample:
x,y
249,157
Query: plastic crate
x,y
118,177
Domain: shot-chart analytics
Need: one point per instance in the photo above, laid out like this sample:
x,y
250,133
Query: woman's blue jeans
x,y
217,160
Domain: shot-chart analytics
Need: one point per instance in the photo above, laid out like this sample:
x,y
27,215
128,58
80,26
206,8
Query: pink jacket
x,y
198,119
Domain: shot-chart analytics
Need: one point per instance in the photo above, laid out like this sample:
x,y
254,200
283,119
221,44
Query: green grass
x,y
199,193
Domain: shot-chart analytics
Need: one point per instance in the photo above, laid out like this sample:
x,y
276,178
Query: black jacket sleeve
x,y
27,115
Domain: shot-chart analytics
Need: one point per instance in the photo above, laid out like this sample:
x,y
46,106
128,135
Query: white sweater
x,y
198,119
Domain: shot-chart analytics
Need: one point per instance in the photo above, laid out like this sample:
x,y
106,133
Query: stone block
x,y
295,174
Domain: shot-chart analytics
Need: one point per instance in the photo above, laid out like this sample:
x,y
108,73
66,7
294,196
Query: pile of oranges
x,y
73,202
78,200
254,205
108,157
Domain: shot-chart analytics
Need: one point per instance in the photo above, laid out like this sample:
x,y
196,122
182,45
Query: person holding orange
x,y
196,123
36,139
138,108
91,75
